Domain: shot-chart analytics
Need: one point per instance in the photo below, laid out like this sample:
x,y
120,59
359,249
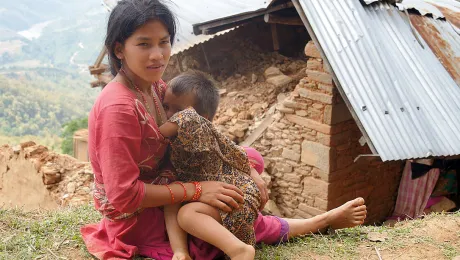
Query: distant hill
x,y
45,49
64,33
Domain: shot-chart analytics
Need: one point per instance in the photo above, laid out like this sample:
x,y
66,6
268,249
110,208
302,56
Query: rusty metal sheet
x,y
443,41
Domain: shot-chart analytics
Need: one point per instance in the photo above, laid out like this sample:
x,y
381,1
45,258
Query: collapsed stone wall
x,y
33,177
310,150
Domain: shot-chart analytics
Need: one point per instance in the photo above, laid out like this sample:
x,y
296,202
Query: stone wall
x,y
310,151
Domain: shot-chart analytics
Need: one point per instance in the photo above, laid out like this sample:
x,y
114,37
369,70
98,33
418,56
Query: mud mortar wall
x,y
310,150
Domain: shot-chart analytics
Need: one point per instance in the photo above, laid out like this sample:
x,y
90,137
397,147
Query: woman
x,y
127,151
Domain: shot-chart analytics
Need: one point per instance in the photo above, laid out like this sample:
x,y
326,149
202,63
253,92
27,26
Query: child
x,y
200,153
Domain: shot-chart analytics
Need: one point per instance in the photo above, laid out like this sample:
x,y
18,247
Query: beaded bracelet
x,y
185,190
170,192
198,191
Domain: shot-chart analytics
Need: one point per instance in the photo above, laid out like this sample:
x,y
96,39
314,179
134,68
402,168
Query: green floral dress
x,y
201,153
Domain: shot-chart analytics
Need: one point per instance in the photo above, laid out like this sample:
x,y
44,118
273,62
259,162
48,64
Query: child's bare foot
x,y
348,215
245,252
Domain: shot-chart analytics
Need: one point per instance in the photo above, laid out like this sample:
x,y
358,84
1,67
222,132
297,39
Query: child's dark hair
x,y
127,17
205,91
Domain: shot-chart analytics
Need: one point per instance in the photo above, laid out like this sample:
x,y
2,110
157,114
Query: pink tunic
x,y
126,150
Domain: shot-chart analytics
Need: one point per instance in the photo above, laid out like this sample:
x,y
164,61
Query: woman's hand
x,y
221,195
262,188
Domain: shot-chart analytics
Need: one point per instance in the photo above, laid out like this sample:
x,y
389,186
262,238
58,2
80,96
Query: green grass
x,y
56,235
41,235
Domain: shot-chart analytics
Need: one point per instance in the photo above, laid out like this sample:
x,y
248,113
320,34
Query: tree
x,y
68,130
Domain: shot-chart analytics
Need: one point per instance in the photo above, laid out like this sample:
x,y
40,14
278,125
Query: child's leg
x,y
350,214
271,229
204,222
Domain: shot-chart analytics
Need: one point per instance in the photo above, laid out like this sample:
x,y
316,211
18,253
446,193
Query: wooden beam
x,y
276,43
269,119
98,70
276,19
100,57
236,20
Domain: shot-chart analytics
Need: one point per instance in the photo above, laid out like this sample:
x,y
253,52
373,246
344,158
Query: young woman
x,y
127,151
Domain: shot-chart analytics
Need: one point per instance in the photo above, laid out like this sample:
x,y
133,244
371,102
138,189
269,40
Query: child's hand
x,y
169,129
181,256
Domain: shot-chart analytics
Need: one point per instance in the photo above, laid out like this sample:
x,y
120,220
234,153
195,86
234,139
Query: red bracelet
x,y
170,192
185,191
198,191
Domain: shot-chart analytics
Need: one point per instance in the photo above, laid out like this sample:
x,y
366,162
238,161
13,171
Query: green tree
x,y
68,130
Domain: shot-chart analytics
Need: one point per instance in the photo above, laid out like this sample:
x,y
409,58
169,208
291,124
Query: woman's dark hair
x,y
127,17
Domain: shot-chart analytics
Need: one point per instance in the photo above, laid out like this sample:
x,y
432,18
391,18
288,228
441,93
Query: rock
x,y
35,150
302,113
321,77
377,237
231,112
71,187
17,149
312,51
272,72
272,209
291,155
222,92
27,144
256,106
320,97
232,94
222,120
254,78
281,97
267,179
314,64
290,104
237,131
280,81
285,110
245,115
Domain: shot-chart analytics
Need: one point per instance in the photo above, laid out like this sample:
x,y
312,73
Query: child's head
x,y
192,88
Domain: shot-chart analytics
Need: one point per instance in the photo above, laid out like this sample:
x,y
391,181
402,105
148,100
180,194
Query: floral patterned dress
x,y
201,153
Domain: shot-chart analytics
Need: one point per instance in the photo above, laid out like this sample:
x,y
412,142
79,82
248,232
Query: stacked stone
x,y
311,147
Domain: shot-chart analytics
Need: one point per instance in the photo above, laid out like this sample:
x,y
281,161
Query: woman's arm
x,y
217,194
117,143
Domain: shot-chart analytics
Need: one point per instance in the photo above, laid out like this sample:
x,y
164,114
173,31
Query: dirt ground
x,y
437,236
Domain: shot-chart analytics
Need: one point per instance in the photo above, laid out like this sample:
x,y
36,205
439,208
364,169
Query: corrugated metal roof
x,y
424,6
443,40
405,99
191,12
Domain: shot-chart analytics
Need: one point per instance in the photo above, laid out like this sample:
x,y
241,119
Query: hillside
x,y
45,49
52,33
55,235
34,104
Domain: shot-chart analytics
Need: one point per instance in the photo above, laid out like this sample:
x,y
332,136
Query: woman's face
x,y
146,52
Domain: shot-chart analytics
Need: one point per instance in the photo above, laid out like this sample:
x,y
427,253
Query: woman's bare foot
x,y
246,252
350,214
